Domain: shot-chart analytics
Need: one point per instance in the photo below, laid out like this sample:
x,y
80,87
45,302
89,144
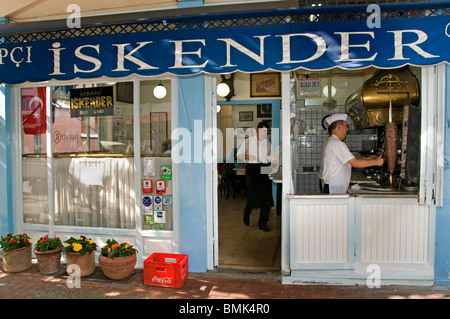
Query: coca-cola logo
x,y
162,280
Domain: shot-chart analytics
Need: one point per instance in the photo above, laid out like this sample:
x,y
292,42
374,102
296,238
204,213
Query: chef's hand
x,y
379,160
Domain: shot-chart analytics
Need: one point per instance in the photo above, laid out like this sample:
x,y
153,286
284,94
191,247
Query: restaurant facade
x,y
111,130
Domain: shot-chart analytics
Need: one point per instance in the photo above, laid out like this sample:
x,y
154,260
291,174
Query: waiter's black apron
x,y
259,187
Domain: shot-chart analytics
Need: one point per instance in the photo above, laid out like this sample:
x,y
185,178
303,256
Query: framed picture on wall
x,y
265,84
264,110
124,92
246,116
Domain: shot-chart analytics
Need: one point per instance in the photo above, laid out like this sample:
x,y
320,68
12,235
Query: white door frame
x,y
210,157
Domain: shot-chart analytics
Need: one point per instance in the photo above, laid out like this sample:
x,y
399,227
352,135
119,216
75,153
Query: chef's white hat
x,y
336,117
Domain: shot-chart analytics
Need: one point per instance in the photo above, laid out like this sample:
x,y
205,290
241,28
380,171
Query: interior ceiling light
x,y
223,89
160,91
325,91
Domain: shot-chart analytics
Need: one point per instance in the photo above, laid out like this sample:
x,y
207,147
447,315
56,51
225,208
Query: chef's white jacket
x,y
336,169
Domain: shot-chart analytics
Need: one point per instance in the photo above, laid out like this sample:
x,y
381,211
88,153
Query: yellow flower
x,y
68,244
90,241
81,238
77,247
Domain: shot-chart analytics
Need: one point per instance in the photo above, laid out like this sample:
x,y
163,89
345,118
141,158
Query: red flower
x,y
20,235
25,240
12,240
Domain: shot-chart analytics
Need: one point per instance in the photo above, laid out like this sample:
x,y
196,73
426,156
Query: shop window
x,y
92,158
92,155
317,95
156,162
93,165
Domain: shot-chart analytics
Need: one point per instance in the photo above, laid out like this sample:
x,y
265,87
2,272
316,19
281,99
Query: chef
x,y
337,160
256,153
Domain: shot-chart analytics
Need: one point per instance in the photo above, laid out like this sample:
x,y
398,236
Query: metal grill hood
x,y
369,105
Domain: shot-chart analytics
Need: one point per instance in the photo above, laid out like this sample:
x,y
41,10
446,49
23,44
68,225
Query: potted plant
x,y
80,252
16,252
48,254
116,260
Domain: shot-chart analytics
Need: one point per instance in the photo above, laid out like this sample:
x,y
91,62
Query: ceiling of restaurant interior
x,y
42,10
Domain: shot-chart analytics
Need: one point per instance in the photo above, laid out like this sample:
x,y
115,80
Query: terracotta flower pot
x,y
17,260
86,263
117,268
49,261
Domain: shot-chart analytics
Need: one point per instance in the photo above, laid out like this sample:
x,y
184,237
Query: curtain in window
x,y
35,190
94,192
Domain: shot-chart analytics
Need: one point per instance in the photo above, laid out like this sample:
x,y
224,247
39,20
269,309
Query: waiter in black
x,y
255,152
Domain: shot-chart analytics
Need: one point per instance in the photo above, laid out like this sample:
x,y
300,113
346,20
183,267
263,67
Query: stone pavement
x,y
220,284
211,294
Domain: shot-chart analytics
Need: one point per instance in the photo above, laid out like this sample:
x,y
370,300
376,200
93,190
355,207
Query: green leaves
x,y
82,245
45,243
10,242
113,249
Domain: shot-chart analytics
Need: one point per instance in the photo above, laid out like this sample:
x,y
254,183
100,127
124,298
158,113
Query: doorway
x,y
244,247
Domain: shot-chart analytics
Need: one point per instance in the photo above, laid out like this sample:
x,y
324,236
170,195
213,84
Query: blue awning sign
x,y
313,46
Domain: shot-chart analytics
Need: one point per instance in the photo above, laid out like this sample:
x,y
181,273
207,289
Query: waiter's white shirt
x,y
260,150
336,169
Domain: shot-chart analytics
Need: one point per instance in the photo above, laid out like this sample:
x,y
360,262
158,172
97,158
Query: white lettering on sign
x,y
121,56
56,58
398,44
179,54
97,63
319,42
345,46
231,43
17,55
162,280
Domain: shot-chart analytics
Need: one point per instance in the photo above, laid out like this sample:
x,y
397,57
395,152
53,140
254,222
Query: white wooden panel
x,y
394,233
160,246
322,233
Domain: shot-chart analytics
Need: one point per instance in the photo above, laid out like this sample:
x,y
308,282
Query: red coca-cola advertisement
x,y
162,280
34,110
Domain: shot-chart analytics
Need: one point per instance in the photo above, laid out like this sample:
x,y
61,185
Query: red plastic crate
x,y
166,270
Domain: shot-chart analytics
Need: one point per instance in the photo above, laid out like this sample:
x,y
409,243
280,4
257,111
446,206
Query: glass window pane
x,y
93,165
34,158
156,156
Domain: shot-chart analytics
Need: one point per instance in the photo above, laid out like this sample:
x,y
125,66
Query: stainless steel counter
x,y
383,194
362,187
